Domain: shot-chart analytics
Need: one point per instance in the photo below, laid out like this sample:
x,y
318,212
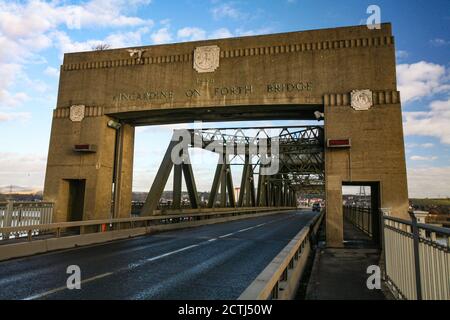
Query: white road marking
x,y
41,295
131,266
262,224
172,252
246,229
226,235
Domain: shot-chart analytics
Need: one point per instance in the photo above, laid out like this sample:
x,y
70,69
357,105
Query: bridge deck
x,y
341,274
210,262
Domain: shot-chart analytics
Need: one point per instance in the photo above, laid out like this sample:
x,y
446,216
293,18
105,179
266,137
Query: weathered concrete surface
x,y
281,76
340,274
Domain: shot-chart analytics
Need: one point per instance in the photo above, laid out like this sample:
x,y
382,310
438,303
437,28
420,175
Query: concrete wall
x,y
163,87
96,168
376,155
329,60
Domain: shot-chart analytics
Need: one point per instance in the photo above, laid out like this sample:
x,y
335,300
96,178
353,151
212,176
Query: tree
x,y
101,47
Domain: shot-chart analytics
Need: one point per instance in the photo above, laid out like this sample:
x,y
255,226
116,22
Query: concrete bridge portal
x,y
344,75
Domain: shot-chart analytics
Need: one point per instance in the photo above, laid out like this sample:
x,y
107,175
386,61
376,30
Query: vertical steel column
x,y
244,181
215,185
251,186
230,186
190,182
269,193
177,176
118,151
223,188
415,233
261,199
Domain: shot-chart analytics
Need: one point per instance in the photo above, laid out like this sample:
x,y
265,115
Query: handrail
x,y
62,225
417,261
360,217
429,227
2,203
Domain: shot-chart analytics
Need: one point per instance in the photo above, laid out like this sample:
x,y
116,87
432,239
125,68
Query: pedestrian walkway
x,y
341,274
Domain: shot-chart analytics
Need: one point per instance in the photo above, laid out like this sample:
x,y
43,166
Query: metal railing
x,y
279,280
360,217
417,259
23,214
98,226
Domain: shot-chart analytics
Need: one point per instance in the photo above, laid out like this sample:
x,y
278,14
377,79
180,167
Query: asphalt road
x,y
208,262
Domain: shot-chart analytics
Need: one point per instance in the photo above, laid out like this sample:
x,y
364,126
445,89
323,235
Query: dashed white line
x,y
172,252
41,295
226,235
262,224
246,229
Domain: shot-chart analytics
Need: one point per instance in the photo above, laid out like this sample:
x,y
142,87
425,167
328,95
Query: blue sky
x,y
35,34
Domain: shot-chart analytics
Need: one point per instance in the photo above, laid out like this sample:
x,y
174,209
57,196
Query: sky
x,y
35,34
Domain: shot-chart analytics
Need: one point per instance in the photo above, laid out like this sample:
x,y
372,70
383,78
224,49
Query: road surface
x,y
209,262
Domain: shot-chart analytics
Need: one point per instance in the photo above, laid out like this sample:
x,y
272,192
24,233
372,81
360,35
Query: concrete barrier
x,y
281,278
22,249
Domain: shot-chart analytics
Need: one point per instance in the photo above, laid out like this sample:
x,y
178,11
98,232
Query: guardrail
x,y
55,236
360,217
280,279
24,214
417,259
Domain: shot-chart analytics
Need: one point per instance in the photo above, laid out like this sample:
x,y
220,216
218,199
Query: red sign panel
x,y
339,143
84,148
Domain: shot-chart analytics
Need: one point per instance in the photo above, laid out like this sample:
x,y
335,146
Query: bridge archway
x,y
362,209
346,75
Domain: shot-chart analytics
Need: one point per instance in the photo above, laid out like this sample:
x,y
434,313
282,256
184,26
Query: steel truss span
x,y
287,161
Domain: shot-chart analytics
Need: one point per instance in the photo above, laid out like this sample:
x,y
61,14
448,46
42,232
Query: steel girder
x,y
299,152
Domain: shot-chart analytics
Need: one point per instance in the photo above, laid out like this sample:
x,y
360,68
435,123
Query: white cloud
x,y
420,145
126,39
114,40
161,36
21,20
27,28
438,42
421,79
221,33
422,158
242,32
226,10
429,182
401,54
52,72
427,145
9,116
22,169
433,123
191,34
194,33
12,100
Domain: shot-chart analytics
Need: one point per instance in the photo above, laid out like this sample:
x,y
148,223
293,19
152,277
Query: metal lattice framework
x,y
296,153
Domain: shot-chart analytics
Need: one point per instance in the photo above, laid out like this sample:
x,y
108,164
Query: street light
x,y
114,124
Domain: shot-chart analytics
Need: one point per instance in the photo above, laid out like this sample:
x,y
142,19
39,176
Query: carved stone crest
x,y
361,99
77,113
206,59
